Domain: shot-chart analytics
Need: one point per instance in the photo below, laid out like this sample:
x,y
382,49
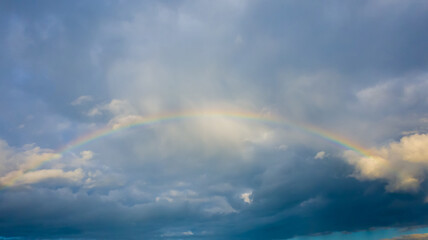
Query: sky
x,y
302,120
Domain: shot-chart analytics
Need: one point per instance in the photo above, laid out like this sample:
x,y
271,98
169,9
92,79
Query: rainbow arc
x,y
144,121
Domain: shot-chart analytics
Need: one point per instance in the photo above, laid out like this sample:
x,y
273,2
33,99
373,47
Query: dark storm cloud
x,y
314,197
298,197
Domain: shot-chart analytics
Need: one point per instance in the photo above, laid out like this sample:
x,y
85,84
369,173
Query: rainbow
x,y
9,181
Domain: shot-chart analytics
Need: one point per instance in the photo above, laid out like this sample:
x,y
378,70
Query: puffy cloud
x,y
19,165
319,155
82,99
119,107
23,160
94,112
246,197
116,107
123,121
402,164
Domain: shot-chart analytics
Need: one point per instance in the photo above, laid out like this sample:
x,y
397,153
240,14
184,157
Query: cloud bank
x,y
411,236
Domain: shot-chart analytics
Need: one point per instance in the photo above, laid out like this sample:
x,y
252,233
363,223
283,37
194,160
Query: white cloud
x,y
402,164
44,174
80,100
79,161
247,197
320,155
377,96
86,155
188,233
23,159
178,234
122,121
395,93
116,107
94,112
120,107
18,164
20,177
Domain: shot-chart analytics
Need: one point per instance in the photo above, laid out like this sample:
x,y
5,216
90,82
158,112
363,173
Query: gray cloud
x,y
356,70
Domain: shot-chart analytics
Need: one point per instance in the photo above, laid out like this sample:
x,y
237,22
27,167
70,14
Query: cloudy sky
x,y
301,120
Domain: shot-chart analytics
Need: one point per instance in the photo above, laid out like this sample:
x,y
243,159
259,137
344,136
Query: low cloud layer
x,y
422,236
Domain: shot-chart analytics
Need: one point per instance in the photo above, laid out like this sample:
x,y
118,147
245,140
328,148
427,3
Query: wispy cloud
x,y
80,100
